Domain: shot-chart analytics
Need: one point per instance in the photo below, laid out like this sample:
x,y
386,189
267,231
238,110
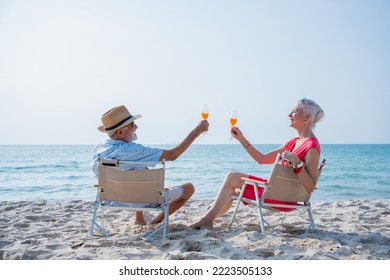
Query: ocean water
x,y
63,172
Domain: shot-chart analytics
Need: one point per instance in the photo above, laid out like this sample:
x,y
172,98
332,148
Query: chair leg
x,y
166,215
258,205
165,224
162,227
93,219
94,223
261,220
237,205
311,226
234,214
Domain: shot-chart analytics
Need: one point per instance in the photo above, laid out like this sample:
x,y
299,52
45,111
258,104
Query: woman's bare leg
x,y
222,201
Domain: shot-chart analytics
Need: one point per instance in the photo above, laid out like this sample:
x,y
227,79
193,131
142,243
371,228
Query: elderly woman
x,y
303,152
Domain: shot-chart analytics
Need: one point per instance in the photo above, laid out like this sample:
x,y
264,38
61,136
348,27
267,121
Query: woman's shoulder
x,y
313,142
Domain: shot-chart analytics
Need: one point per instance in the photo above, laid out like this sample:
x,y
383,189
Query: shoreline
x,y
54,230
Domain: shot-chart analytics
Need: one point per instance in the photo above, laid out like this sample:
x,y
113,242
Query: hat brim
x,y
102,129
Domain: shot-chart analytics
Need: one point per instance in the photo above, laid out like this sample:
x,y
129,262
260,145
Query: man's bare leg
x,y
188,191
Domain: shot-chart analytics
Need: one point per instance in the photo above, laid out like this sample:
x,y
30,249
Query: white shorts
x,y
175,193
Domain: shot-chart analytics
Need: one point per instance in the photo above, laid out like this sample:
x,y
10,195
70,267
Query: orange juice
x,y
205,115
233,121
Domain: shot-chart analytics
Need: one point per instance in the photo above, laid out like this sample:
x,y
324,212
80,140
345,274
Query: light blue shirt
x,y
120,150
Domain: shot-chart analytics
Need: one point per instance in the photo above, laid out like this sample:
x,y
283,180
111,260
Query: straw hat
x,y
116,118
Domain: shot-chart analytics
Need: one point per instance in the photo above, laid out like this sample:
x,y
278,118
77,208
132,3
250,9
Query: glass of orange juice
x,y
204,112
233,120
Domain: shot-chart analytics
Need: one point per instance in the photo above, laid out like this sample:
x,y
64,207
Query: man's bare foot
x,y
140,221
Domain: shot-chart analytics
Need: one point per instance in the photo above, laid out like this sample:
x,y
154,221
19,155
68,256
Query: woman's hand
x,y
290,157
236,133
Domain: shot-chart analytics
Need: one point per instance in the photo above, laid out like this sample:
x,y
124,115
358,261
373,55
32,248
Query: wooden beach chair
x,y
133,190
282,187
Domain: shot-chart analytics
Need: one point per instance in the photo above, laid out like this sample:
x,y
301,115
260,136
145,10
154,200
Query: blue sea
x,y
63,172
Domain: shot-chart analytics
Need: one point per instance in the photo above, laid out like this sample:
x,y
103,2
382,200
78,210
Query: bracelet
x,y
299,169
247,144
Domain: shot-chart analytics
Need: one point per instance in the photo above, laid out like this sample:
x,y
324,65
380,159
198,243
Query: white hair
x,y
112,133
312,108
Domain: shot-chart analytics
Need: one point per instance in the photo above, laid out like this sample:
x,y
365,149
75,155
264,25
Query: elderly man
x,y
119,124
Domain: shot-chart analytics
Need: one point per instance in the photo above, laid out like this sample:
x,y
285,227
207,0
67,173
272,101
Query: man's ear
x,y
118,132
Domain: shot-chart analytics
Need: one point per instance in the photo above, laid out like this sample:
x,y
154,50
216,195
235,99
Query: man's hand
x,y
202,127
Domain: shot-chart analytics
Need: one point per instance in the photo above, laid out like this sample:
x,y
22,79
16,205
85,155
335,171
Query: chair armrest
x,y
254,181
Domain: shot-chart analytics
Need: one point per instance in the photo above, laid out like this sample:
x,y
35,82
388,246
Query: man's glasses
x,y
132,124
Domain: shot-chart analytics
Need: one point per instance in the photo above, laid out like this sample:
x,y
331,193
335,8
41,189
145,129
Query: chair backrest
x,y
284,184
132,186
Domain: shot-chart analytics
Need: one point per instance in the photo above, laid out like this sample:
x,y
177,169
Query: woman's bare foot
x,y
201,224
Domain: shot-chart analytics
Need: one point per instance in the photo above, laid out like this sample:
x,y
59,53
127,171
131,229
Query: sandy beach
x,y
47,230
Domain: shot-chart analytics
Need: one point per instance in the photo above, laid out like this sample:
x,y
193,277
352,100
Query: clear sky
x,y
64,63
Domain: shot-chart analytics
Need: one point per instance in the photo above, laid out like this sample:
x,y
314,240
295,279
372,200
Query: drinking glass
x,y
204,112
233,120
